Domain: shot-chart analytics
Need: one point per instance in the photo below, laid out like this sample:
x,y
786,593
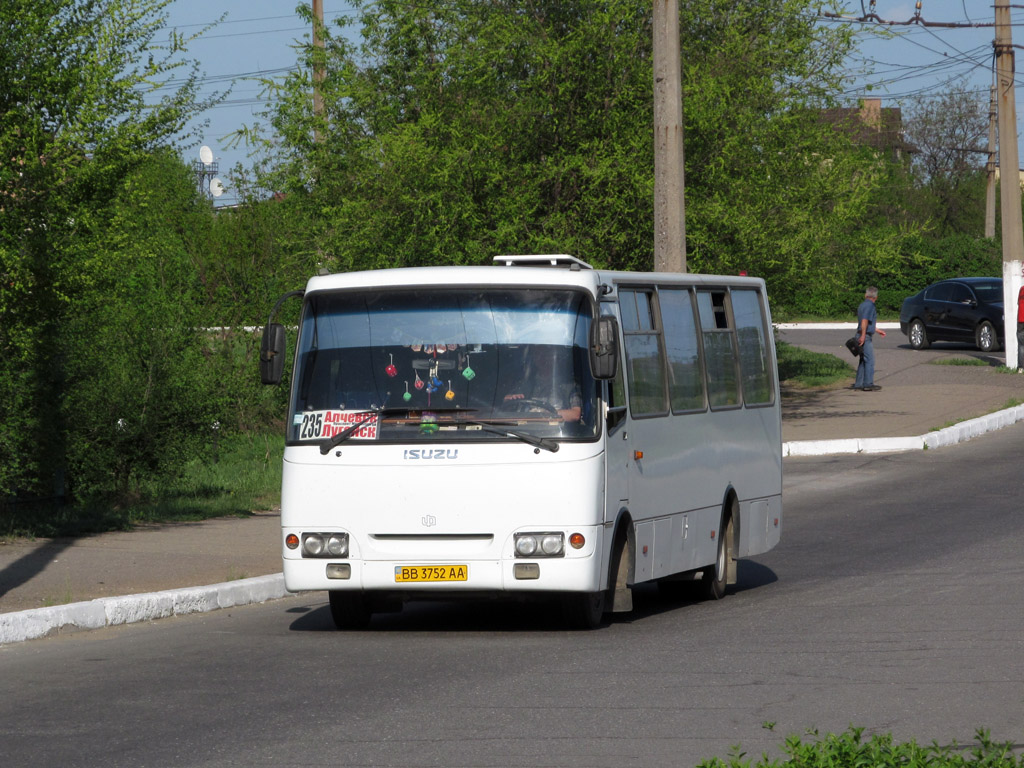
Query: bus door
x,y
617,456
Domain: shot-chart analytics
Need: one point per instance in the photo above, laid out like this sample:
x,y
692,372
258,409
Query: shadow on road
x,y
512,615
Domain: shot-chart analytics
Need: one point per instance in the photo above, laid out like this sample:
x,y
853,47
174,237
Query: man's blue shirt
x,y
867,311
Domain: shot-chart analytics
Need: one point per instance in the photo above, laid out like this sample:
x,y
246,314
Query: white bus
x,y
536,428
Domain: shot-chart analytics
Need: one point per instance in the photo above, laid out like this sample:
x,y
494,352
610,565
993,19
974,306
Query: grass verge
x,y
244,476
850,750
803,368
968,361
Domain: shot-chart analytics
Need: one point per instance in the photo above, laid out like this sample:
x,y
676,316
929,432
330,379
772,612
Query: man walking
x,y
866,317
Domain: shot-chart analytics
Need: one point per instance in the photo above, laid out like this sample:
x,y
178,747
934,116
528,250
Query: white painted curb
x,y
110,611
958,433
850,326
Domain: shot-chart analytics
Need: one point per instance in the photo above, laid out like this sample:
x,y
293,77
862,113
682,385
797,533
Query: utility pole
x,y
1009,179
990,167
669,208
318,64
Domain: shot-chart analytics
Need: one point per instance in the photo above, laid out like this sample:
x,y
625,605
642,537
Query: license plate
x,y
414,573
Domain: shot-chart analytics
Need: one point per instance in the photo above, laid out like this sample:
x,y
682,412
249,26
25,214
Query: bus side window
x,y
616,401
645,362
755,371
719,350
685,376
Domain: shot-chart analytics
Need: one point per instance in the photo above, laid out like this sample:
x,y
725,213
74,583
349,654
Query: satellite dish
x,y
216,187
206,154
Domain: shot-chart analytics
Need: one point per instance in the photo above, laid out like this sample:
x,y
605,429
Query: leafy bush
x,y
921,261
849,750
235,475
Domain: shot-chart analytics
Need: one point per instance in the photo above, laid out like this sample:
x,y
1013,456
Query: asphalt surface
x,y
63,585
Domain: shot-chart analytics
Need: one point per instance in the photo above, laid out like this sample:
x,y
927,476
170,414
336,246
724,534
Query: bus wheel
x,y
619,591
715,577
349,610
583,610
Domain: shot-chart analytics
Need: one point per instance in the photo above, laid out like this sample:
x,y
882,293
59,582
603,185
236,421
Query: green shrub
x,y
922,261
237,474
849,750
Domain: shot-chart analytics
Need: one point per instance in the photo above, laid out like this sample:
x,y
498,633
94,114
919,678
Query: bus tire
x,y
620,571
349,610
715,577
583,610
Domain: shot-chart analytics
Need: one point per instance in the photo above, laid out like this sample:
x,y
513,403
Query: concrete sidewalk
x,y
61,585
922,401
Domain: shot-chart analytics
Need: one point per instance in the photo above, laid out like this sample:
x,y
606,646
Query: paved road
x,y
895,602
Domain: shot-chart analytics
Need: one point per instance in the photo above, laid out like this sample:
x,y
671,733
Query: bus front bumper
x,y
566,574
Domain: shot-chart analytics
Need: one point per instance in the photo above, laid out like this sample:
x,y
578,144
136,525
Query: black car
x,y
968,309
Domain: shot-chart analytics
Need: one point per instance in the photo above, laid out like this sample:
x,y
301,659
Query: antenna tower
x,y
206,169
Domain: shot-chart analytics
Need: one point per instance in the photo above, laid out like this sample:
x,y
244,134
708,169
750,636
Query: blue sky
x,y
921,60
257,37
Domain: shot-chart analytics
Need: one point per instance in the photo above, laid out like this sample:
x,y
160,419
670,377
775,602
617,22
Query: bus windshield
x,y
444,365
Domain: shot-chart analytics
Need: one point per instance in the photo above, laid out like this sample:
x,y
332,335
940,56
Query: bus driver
x,y
547,387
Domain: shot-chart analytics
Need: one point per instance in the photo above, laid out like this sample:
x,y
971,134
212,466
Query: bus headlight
x,y
526,545
312,545
552,545
540,544
337,545
325,545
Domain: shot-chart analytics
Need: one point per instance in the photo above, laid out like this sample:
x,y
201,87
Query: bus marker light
x,y
576,540
291,541
526,570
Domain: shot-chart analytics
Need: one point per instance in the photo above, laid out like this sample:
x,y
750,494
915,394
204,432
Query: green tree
x,y
455,131
950,134
141,387
79,112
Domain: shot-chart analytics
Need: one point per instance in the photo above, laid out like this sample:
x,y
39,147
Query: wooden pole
x,y
318,64
669,206
1009,179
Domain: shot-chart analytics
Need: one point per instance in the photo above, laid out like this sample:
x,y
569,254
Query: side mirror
x,y
604,348
272,353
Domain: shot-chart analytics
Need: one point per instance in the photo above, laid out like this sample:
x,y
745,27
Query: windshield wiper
x,y
537,442
331,442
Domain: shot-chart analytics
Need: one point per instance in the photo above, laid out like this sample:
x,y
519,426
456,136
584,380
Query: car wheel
x,y
918,335
986,338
